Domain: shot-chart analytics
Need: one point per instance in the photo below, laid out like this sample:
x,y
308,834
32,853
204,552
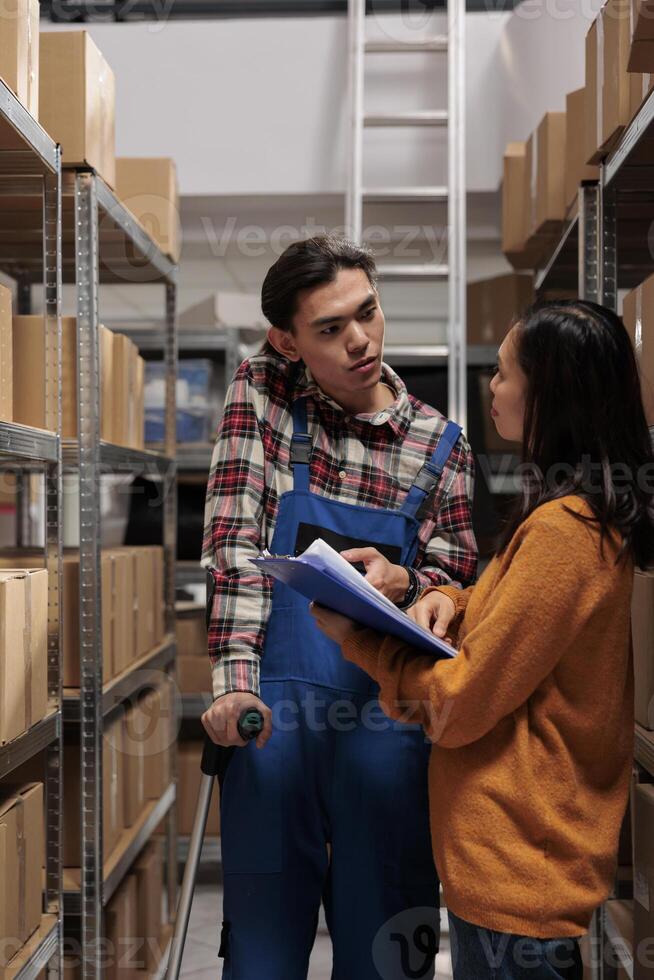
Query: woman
x,y
532,721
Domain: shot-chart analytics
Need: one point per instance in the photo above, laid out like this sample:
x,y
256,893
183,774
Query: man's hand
x,y
332,624
391,580
221,718
434,612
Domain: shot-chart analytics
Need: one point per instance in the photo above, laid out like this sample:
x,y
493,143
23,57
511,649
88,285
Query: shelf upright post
x,y
589,242
52,284
91,720
170,556
609,244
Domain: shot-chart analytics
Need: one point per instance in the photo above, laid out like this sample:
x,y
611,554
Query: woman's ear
x,y
284,343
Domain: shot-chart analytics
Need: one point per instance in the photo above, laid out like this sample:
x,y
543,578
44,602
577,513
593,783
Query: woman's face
x,y
509,389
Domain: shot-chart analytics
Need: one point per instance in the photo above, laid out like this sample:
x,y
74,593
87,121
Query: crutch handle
x,y
249,726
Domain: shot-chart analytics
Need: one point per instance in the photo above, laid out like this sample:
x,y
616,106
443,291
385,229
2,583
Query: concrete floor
x,y
200,955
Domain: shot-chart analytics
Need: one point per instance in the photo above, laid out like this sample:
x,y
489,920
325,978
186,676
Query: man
x,y
320,439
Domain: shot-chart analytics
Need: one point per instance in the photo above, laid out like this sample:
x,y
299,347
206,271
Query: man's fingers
x,y
360,554
443,621
421,614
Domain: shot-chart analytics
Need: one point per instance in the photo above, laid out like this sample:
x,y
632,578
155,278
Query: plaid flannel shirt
x,y
370,460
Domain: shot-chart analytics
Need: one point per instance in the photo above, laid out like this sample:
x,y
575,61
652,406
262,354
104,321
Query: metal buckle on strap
x,y
301,449
426,479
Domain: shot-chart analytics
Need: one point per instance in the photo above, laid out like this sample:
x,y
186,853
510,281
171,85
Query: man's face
x,y
338,331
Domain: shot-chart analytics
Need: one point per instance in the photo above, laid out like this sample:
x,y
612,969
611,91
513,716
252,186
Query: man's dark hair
x,y
306,265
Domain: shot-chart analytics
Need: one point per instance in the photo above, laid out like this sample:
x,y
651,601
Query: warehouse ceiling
x,y
71,11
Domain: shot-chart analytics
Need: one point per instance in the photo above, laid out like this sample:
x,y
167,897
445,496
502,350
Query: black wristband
x,y
412,591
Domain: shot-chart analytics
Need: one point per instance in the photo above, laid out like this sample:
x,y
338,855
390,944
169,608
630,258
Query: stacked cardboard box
x,y
637,314
642,632
516,207
22,855
121,382
492,305
19,51
23,650
148,188
576,168
189,775
134,918
193,669
614,49
77,101
643,830
149,905
6,357
125,605
121,931
113,783
159,734
641,36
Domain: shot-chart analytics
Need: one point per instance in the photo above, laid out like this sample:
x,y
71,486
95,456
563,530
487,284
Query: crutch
x,y
249,726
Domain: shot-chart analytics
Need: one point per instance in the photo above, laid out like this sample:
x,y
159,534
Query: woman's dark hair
x,y
305,265
584,429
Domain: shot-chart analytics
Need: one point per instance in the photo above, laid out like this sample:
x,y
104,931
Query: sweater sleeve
x,y
537,607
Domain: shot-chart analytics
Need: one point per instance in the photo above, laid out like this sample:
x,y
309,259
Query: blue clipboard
x,y
325,586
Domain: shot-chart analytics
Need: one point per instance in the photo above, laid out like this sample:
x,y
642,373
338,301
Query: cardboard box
x,y
642,631
194,675
35,647
548,175
189,755
19,51
514,215
137,434
638,317
109,625
237,311
148,188
30,404
640,86
134,729
159,598
77,101
112,793
641,20
149,883
191,627
492,305
6,355
124,608
122,961
607,82
643,803
576,169
124,378
157,707
143,559
13,693
21,815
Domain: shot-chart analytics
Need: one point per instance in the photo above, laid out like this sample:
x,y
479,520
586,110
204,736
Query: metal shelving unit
x,y
612,237
30,163
100,242
108,245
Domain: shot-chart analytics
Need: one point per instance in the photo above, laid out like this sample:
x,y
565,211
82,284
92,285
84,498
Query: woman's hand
x,y
434,612
332,624
391,580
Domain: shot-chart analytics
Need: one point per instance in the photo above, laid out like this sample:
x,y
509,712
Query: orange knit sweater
x,y
532,725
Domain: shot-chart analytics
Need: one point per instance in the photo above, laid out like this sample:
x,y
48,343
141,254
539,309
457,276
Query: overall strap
x,y
429,476
300,446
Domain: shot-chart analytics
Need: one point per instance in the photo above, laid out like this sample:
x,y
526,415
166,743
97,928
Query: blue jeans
x,y
482,954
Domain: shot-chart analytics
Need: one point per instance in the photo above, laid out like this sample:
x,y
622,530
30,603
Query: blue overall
x,y
335,772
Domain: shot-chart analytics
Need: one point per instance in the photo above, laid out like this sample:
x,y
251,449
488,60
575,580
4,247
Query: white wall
x,y
260,106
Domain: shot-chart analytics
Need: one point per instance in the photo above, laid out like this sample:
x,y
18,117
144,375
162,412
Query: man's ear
x,y
284,343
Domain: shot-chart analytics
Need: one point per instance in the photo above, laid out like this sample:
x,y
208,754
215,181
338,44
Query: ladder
x,y
453,271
